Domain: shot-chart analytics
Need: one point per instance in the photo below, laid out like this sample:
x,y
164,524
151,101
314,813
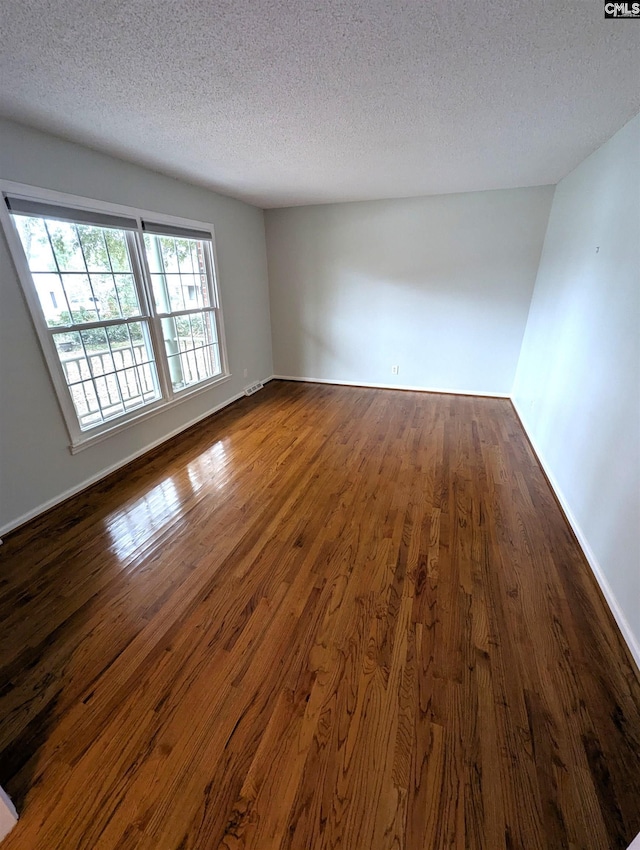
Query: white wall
x,y
36,466
440,286
578,380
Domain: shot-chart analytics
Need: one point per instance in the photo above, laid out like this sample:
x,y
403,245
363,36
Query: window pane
x,y
127,295
152,251
175,370
52,299
185,249
178,273
85,401
195,291
109,370
94,248
74,296
118,250
170,334
169,253
203,290
66,246
109,397
130,344
189,290
80,297
72,357
183,327
215,358
122,345
104,250
167,293
129,387
115,295
97,350
35,242
192,348
187,332
104,290
148,378
68,342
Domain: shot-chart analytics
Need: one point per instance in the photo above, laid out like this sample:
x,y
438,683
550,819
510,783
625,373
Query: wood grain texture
x,y
326,617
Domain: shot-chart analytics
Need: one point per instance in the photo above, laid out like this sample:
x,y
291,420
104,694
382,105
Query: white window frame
x,y
81,439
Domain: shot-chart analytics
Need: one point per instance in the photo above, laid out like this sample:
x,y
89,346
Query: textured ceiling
x,y
304,101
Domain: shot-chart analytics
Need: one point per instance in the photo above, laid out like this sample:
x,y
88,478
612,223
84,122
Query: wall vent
x,y
253,388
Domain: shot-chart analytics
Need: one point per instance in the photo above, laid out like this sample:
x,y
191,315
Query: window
x,y
180,278
126,308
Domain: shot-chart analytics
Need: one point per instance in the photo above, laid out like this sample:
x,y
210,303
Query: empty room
x,y
320,425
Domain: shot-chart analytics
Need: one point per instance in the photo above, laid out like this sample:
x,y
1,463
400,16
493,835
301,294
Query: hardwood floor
x,y
325,618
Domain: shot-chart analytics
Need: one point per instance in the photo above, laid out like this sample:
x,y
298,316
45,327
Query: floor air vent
x,y
253,388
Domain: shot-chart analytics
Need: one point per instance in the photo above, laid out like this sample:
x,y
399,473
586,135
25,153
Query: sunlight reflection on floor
x,y
209,469
141,521
132,527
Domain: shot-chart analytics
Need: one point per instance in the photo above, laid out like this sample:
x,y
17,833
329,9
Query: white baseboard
x,y
635,844
8,814
623,624
72,491
389,386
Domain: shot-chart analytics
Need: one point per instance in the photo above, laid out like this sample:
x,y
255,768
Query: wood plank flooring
x,y
326,617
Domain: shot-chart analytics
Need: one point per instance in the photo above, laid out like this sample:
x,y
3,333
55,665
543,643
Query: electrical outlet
x,y
246,372
395,370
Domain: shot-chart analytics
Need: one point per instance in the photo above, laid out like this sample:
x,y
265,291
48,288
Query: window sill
x,y
89,439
